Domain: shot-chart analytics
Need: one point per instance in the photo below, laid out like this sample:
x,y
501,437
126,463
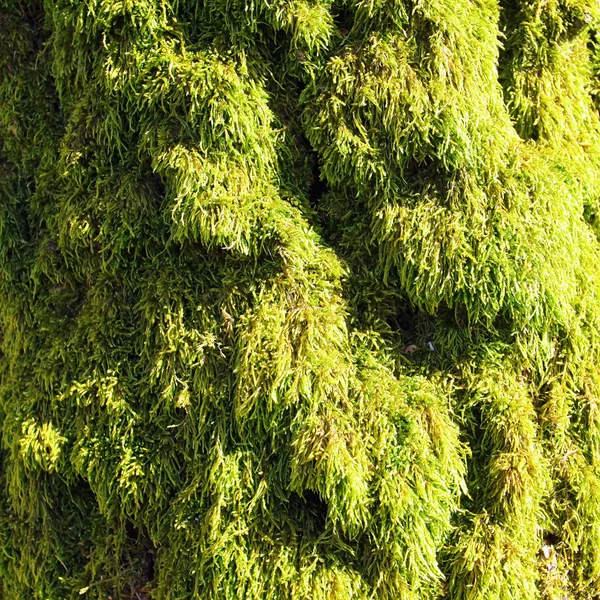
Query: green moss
x,y
299,300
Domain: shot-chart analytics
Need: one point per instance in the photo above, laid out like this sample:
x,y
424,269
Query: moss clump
x,y
300,299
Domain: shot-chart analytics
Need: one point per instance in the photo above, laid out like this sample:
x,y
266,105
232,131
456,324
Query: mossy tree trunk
x,y
300,299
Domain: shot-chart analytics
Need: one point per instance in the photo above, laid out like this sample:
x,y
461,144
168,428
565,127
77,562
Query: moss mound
x,y
300,299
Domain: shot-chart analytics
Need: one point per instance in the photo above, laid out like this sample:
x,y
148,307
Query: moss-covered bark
x,y
300,299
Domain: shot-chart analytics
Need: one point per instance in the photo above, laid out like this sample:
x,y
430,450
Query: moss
x,y
299,299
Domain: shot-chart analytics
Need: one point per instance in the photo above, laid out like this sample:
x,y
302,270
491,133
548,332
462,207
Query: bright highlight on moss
x,y
300,300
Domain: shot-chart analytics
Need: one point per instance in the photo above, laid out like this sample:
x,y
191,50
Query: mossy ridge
x,y
219,403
